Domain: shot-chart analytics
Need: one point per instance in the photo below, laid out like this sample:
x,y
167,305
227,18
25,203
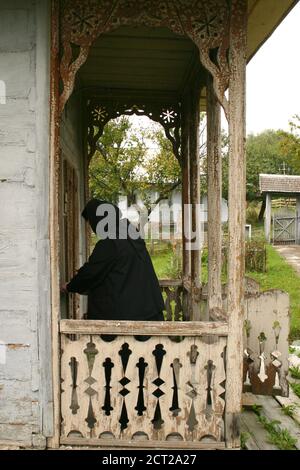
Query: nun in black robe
x,y
118,277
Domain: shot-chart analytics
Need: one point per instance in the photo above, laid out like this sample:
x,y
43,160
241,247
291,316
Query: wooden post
x,y
214,201
268,217
237,198
185,178
298,219
195,205
54,219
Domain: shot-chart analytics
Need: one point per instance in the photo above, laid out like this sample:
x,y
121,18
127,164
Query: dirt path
x,y
291,253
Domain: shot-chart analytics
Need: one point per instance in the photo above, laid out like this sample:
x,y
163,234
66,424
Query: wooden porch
x,y
183,383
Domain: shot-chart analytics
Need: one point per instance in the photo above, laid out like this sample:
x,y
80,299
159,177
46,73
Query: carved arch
x,y
100,112
206,22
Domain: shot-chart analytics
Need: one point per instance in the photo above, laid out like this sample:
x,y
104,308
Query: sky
x,y
273,78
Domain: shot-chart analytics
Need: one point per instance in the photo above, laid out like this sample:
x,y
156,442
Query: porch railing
x,y
153,384
163,384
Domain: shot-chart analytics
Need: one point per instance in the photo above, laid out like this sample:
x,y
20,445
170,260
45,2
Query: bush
x,y
251,215
255,257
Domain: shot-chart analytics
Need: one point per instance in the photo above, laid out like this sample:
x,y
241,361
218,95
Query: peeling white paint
x,y
2,92
2,353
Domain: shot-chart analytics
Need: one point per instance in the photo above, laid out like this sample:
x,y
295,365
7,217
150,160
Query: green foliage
x,y
295,372
256,256
251,215
290,144
122,164
265,154
174,268
288,410
280,275
244,437
278,436
296,388
113,169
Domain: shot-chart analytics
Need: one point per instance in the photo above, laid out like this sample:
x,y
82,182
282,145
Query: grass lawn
x,y
279,275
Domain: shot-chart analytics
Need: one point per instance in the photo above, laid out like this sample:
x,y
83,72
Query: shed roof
x,y
279,183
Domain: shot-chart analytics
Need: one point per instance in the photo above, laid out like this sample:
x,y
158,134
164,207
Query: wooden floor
x,y
273,409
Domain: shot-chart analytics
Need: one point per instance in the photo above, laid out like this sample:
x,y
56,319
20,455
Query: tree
x,y
123,165
290,144
163,173
263,155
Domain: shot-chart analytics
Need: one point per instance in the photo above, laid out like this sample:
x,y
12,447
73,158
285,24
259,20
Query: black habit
x,y
118,277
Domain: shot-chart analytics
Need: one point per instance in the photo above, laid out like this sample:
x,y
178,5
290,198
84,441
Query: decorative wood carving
x,y
101,111
266,330
173,297
127,388
206,23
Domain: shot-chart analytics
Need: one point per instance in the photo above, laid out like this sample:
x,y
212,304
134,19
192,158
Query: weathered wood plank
x,y
291,400
273,411
237,212
250,443
170,282
214,198
257,431
195,200
143,444
143,328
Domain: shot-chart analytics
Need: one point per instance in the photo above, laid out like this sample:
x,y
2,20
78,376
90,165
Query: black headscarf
x,y
120,228
90,213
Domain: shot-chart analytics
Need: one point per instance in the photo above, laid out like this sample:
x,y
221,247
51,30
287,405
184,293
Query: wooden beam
x,y
139,444
54,218
268,217
156,328
185,201
237,203
214,199
195,203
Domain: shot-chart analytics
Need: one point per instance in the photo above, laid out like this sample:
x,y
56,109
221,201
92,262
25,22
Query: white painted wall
x,y
25,374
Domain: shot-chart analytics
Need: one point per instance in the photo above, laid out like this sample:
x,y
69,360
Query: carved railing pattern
x,y
175,299
266,330
156,390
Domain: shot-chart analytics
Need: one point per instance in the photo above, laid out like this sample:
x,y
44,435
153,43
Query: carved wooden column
x,y
214,201
195,205
237,197
185,198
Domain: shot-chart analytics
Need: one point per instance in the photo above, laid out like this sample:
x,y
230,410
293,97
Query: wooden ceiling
x,y
140,59
158,62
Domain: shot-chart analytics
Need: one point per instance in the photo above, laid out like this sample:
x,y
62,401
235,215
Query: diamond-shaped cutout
x,y
158,382
90,380
158,393
124,392
124,381
192,394
90,391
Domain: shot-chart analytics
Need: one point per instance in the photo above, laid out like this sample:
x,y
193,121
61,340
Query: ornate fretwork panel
x,y
157,389
173,293
101,111
206,22
266,330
